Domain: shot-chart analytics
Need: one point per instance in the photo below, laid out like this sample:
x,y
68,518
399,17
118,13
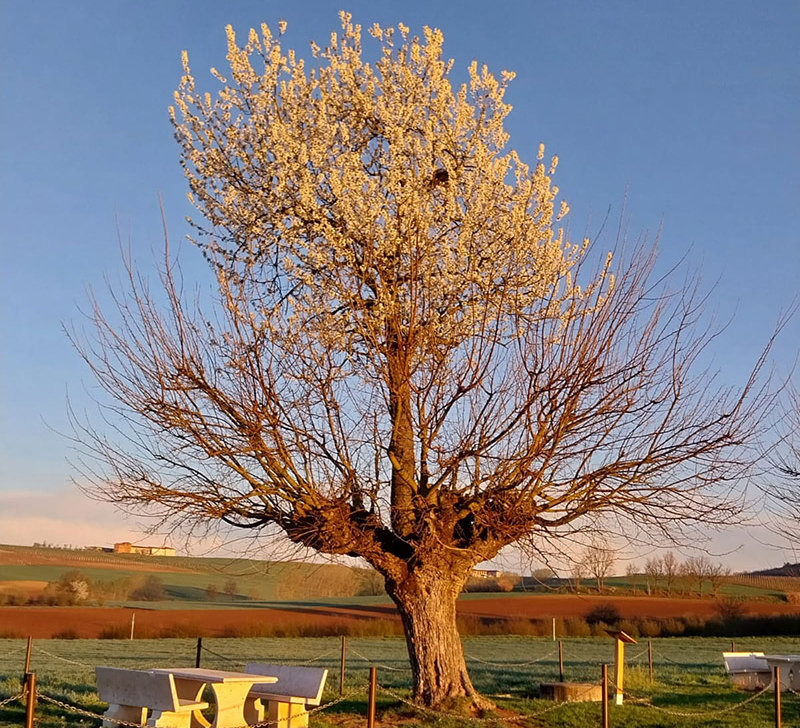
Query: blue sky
x,y
693,108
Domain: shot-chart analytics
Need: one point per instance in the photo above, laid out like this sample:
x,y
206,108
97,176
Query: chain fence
x,y
647,702
242,663
639,655
323,656
238,663
378,664
77,710
547,656
85,713
494,719
670,660
63,659
11,699
416,707
635,698
469,657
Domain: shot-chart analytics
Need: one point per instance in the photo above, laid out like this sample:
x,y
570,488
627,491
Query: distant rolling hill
x,y
785,570
112,577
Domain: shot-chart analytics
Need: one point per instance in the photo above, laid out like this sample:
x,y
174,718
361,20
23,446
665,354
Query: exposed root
x,y
473,705
480,702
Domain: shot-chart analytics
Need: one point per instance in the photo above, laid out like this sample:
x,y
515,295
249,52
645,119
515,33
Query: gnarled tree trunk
x,y
426,600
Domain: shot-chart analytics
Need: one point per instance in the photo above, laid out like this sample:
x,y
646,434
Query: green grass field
x,y
185,579
256,581
689,678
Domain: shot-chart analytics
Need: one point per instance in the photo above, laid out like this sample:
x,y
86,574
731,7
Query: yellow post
x,y
619,663
619,671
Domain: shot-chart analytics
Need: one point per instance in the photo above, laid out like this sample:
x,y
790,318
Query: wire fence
x,y
66,675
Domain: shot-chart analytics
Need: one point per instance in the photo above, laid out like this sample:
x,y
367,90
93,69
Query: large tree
x,y
404,359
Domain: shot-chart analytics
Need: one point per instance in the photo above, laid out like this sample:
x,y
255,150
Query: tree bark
x,y
401,446
426,601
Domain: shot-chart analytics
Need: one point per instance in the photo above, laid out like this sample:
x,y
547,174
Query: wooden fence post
x,y
27,662
560,661
777,697
343,665
373,687
133,623
199,652
604,702
650,657
30,703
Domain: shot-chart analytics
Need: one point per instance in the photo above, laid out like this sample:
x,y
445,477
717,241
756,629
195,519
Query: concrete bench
x,y
296,688
746,670
132,694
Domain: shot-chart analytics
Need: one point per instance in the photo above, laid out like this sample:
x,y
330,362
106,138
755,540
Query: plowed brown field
x,y
642,607
43,622
90,622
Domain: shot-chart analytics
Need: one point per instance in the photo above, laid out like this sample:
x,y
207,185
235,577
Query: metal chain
x,y
63,659
378,664
645,702
11,651
423,709
510,664
660,654
129,724
317,709
318,657
493,719
701,713
87,713
223,657
669,659
240,662
471,657
11,699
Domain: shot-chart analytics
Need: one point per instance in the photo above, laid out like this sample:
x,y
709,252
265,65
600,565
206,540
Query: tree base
x,y
470,706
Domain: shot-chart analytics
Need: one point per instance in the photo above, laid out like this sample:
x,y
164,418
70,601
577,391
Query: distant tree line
x,y
696,576
661,575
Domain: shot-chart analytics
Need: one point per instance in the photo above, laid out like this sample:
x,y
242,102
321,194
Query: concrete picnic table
x,y
230,690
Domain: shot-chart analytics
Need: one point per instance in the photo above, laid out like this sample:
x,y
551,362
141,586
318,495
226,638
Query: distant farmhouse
x,y
485,573
125,547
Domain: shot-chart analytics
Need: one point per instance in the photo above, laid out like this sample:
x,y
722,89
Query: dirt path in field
x,y
91,622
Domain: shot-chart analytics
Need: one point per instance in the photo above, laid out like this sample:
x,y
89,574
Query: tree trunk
x,y
426,601
401,447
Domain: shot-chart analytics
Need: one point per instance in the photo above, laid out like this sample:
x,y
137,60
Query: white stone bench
x,y
746,670
132,694
296,688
